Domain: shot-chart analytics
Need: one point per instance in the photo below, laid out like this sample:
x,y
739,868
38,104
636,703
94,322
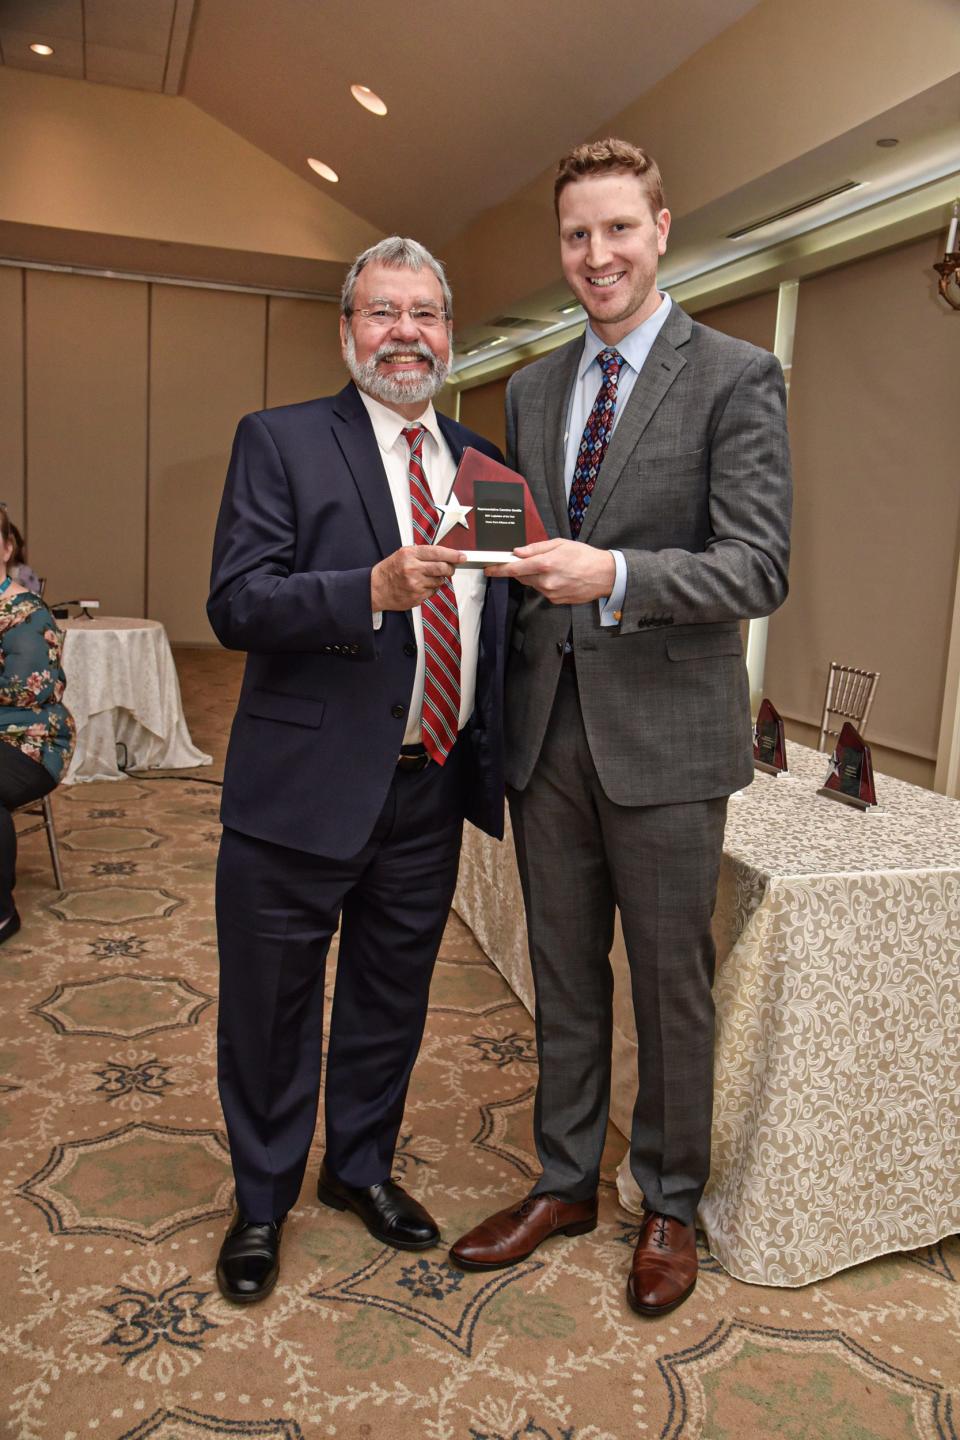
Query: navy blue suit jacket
x,y
306,514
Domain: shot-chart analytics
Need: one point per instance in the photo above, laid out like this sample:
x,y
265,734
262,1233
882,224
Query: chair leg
x,y
52,841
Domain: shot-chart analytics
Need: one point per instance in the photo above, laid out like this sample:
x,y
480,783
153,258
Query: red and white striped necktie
x,y
440,718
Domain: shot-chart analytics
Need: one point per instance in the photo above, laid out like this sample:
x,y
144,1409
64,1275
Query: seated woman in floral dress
x,y
36,729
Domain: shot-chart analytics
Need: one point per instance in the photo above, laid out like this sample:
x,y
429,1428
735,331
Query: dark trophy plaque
x,y
769,743
850,777
489,512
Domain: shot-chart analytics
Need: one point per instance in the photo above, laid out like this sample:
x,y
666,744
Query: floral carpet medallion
x,y
115,1189
125,1007
816,1378
110,838
426,1290
111,905
500,1122
191,1425
145,1182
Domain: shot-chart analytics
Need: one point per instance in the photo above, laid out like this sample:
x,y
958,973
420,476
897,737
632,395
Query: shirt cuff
x,y
611,609
377,619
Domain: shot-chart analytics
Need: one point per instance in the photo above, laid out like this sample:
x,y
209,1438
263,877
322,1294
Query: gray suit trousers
x,y
580,857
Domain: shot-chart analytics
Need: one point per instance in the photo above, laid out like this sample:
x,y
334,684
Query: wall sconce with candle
x,y
949,267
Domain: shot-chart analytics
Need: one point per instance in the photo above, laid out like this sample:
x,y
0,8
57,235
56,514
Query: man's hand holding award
x,y
492,519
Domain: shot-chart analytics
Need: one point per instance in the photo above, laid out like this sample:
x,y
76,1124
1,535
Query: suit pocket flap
x,y
290,709
704,647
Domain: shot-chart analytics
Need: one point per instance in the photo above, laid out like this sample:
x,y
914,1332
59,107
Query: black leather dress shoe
x,y
10,927
389,1213
249,1260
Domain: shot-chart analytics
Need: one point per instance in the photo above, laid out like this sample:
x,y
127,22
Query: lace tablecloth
x,y
122,689
837,1095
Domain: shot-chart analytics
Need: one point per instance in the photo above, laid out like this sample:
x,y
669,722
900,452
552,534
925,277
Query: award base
x,y
768,769
853,800
476,559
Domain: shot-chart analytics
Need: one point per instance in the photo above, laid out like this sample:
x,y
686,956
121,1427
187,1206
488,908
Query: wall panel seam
x,y
25,515
146,460
266,349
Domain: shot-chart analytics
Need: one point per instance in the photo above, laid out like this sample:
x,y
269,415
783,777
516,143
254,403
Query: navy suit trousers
x,y
277,911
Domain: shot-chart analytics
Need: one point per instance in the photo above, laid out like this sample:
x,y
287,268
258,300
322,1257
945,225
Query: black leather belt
x,y
413,757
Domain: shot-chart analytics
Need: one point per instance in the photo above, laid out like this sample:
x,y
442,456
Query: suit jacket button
x,y
326,649
354,648
398,711
559,647
409,648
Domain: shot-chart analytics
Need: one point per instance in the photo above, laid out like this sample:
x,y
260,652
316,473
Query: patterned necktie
x,y
440,716
596,437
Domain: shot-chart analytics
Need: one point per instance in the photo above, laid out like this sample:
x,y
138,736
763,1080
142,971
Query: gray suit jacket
x,y
695,490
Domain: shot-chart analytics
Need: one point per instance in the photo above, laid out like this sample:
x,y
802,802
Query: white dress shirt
x,y
634,347
469,585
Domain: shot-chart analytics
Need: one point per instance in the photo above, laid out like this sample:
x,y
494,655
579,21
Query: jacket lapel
x,y
558,384
660,369
354,434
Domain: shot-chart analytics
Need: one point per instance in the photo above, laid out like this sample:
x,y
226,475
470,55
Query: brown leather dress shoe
x,y
664,1269
511,1235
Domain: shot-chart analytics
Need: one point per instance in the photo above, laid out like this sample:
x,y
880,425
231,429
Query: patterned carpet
x,y
116,1186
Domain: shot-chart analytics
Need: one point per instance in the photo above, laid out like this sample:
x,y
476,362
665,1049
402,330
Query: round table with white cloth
x,y
122,690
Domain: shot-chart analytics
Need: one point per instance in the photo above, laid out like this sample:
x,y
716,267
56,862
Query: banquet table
x,y
122,690
836,1133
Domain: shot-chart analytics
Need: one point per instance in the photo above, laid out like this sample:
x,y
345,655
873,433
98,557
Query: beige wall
x,y
86,379
133,393
106,160
809,94
11,390
877,506
754,319
481,409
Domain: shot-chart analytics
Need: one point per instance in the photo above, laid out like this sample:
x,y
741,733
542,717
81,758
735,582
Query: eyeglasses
x,y
383,316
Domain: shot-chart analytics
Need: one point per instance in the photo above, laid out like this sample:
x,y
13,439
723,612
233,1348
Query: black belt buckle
x,y
413,760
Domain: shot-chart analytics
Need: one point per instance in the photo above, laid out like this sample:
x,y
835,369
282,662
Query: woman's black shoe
x,y
249,1260
12,926
389,1213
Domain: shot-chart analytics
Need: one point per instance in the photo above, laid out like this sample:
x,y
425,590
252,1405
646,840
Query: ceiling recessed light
x,y
42,49
365,96
323,170
888,142
570,309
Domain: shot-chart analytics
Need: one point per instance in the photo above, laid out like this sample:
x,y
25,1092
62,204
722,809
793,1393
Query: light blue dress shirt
x,y
634,347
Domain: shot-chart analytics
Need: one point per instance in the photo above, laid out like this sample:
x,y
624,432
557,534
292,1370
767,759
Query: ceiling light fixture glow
x,y
487,345
368,99
42,49
323,170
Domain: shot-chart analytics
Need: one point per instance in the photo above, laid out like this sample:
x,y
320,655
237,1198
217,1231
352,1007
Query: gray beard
x,y
396,389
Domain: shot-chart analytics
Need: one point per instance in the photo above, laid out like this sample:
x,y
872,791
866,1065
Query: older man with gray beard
x,y
368,726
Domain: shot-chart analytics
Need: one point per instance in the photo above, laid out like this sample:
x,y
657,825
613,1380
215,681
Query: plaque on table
x,y
769,743
850,777
489,512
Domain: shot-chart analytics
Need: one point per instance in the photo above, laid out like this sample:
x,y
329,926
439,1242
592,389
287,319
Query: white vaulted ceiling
x,y
750,105
481,93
